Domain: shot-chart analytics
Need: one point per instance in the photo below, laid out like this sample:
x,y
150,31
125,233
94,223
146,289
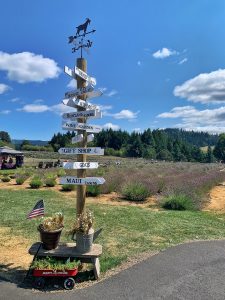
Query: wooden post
x,y
81,189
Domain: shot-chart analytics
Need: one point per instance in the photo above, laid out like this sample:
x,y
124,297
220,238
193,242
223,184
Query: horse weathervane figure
x,y
78,39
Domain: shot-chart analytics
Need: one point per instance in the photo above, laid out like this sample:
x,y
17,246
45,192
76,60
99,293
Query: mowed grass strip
x,y
127,231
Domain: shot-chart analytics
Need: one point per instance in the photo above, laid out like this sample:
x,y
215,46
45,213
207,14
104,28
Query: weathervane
x,y
78,40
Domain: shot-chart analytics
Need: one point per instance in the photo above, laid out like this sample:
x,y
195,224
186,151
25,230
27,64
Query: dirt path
x,y
217,199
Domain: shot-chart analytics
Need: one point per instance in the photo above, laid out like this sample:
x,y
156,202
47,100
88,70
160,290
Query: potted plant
x,y
50,230
83,232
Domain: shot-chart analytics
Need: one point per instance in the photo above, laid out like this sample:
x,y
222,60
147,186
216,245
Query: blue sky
x,y
160,63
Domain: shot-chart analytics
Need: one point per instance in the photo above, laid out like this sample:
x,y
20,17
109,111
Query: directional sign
x,y
80,165
78,138
83,75
81,126
73,102
94,94
88,151
80,114
69,72
81,181
92,114
79,92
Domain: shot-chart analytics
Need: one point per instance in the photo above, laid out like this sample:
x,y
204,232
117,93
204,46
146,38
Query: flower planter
x,y
84,241
49,239
53,273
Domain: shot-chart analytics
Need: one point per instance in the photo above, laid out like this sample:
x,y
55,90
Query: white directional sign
x,y
90,138
78,138
88,151
94,94
73,102
79,92
81,126
84,76
80,114
69,72
81,181
80,165
92,114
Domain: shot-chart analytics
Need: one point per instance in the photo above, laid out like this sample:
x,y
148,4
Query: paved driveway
x,y
189,271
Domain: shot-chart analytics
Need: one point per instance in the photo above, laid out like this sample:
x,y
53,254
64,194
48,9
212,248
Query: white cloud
x,y
112,126
124,114
72,84
163,53
204,88
139,63
211,120
61,108
138,130
38,101
183,61
4,88
5,112
13,100
34,108
28,67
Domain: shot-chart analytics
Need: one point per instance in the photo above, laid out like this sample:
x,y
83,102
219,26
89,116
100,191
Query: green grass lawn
x,y
127,231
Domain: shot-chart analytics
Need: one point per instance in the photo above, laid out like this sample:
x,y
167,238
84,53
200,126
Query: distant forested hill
x,y
199,139
32,142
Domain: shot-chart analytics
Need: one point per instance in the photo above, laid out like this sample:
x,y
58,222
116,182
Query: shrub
x,y
36,182
135,192
61,172
93,190
5,179
20,180
50,182
50,179
178,202
68,187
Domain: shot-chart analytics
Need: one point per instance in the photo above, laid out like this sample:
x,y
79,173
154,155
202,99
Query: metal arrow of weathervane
x,y
78,40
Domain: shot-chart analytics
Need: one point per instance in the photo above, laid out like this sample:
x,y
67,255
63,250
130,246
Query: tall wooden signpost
x,y
78,120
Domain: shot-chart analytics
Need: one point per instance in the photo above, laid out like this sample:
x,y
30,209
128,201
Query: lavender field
x,y
163,178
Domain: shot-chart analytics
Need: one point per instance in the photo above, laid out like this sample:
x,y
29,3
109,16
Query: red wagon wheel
x,y
39,283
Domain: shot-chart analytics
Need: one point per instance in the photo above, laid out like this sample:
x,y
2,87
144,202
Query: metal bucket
x,y
84,241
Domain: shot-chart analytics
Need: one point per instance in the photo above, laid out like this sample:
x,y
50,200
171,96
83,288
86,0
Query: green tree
x,y
5,137
219,150
209,156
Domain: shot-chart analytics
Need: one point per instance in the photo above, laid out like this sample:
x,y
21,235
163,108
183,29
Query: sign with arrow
x,y
92,114
81,181
81,126
87,151
80,114
73,102
84,76
78,138
80,165
79,92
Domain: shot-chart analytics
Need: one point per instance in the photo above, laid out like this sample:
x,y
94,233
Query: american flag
x,y
38,210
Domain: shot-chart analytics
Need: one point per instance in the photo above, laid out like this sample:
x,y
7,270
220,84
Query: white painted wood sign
x,y
79,92
92,114
81,181
88,151
73,102
81,126
80,114
94,94
80,165
78,138
84,76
